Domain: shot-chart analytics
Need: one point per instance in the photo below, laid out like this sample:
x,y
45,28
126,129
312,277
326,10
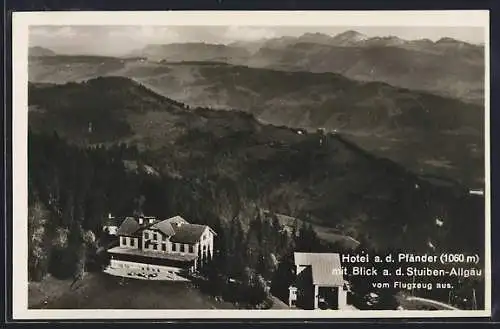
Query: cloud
x,y
109,40
248,33
143,34
56,31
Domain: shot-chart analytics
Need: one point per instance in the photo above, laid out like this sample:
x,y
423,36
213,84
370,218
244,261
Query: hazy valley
x,y
320,178
425,132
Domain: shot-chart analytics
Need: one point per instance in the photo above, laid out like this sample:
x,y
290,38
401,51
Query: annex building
x,y
319,282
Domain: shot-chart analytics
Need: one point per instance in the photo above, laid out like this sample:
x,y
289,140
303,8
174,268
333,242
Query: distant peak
x,y
424,40
315,34
40,51
349,36
389,40
114,78
448,40
392,37
315,37
37,48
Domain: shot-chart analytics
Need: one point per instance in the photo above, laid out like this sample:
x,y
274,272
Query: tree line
x,y
72,190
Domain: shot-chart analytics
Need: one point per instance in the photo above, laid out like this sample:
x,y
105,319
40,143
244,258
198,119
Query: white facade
x,y
145,242
207,243
129,242
342,298
154,240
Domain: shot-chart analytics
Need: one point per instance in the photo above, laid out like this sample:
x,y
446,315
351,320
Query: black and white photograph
x,y
252,165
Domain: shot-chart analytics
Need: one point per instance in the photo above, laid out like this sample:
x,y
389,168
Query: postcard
x,y
245,164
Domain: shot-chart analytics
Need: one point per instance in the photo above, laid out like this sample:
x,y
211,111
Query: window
x,y
174,246
154,247
123,240
191,249
132,242
164,247
182,247
155,236
146,235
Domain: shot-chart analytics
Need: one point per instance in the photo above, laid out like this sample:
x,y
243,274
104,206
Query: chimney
x,y
151,220
109,216
141,220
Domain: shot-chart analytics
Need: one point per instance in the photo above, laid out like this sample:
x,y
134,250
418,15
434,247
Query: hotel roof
x,y
188,233
177,228
325,267
164,227
129,227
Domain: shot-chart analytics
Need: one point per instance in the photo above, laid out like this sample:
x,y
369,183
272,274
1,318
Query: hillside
x,y
424,132
232,159
68,68
446,72
192,52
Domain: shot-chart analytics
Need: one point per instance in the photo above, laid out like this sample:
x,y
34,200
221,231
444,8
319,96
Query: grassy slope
x,y
100,291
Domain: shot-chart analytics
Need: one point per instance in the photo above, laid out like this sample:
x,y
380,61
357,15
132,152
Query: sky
x,y
121,40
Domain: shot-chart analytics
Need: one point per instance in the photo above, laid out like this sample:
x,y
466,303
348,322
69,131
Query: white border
x,y
20,24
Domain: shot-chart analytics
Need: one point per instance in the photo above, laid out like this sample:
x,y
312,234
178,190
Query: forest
x,y
72,189
148,154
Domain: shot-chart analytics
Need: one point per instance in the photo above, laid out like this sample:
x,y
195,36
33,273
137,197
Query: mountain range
x,y
447,67
425,132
